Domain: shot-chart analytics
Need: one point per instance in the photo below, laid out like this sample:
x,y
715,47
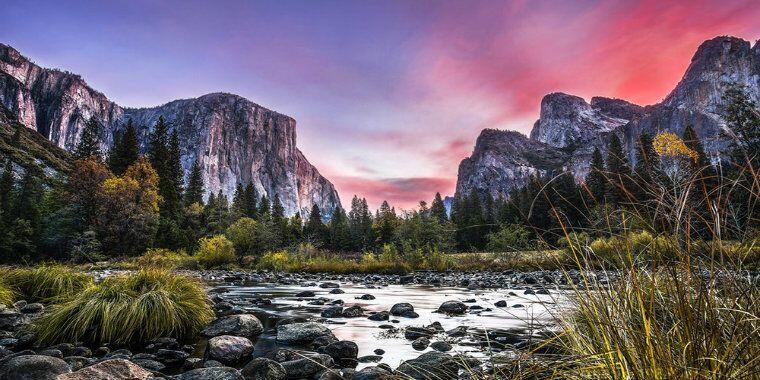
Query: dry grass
x,y
47,283
129,309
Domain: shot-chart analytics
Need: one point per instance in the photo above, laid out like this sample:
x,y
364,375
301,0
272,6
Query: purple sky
x,y
389,95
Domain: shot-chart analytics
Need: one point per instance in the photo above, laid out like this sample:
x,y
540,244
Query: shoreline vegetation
x,y
681,234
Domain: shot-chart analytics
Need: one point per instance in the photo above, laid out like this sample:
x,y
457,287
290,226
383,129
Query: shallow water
x,y
537,311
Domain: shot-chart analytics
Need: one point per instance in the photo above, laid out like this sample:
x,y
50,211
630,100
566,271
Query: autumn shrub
x,y
277,261
215,251
129,309
47,282
165,258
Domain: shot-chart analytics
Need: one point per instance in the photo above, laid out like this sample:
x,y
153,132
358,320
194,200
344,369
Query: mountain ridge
x,y
569,125
57,103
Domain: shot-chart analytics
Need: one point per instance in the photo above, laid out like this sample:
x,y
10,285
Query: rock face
x,y
569,128
234,139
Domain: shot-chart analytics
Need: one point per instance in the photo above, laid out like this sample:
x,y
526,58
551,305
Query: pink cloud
x,y
402,193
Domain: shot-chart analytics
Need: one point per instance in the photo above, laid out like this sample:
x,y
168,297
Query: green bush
x,y
244,235
165,258
129,309
47,282
215,251
509,238
278,261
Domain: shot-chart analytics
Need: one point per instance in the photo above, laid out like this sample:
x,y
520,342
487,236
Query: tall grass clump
x,y
47,282
129,309
7,295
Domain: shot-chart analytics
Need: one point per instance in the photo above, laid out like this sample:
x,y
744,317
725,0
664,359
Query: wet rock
x,y
372,373
229,349
413,333
212,373
343,352
80,351
379,351
10,319
501,303
430,365
370,359
403,310
337,291
302,333
78,362
366,297
441,346
332,312
109,369
420,343
380,316
54,353
32,308
329,285
170,357
307,367
305,294
263,369
32,367
353,312
329,374
452,308
245,325
150,364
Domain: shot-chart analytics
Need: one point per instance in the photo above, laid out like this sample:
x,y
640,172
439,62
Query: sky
x,y
389,96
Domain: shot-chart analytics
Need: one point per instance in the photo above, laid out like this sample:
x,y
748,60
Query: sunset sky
x,y
389,95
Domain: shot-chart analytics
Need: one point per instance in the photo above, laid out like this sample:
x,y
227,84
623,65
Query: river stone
x,y
245,325
337,291
353,312
332,312
452,308
305,294
229,349
307,367
413,333
380,316
212,373
372,373
430,365
302,333
329,285
404,310
441,346
344,352
263,369
78,362
32,367
114,369
501,303
420,343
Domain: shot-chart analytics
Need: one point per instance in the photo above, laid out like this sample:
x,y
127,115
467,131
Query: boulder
x,y
263,369
413,333
441,346
372,373
430,365
332,312
32,367
420,343
380,316
353,312
229,349
114,369
404,310
453,308
307,367
305,294
245,325
212,373
302,333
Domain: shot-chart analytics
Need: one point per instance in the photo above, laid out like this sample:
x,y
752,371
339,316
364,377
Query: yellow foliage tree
x,y
667,144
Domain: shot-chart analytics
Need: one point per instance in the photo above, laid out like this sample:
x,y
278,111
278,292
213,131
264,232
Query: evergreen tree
x,y
238,203
339,231
705,181
89,141
264,207
251,198
173,196
194,193
279,222
595,180
385,222
360,224
438,209
619,172
295,230
125,150
315,230
647,174
743,120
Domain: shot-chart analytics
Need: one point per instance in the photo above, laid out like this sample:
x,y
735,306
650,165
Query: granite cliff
x,y
569,128
234,139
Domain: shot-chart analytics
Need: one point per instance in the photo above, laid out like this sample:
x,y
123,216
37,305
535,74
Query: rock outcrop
x,y
569,128
234,139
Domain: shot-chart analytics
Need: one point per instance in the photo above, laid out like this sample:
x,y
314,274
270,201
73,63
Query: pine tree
x,y
647,173
194,193
279,222
238,203
339,231
173,199
386,222
438,209
743,120
619,172
314,230
595,180
705,181
89,141
264,207
251,198
125,150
